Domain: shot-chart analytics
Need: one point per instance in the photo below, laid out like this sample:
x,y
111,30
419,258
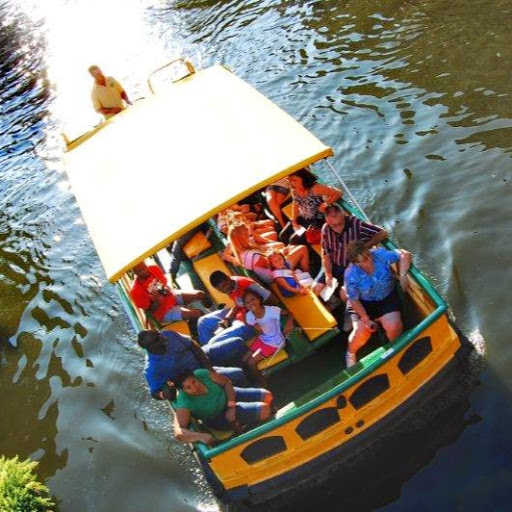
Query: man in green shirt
x,y
211,398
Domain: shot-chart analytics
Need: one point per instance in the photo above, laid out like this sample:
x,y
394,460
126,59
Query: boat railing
x,y
189,66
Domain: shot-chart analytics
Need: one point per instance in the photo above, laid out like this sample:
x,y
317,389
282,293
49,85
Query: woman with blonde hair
x,y
245,252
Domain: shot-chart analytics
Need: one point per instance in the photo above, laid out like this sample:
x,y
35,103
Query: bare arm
x,y
225,383
183,434
288,326
227,255
377,238
403,267
155,303
327,264
294,222
201,356
359,309
228,319
230,395
331,194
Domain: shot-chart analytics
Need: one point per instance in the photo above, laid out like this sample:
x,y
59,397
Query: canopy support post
x,y
342,183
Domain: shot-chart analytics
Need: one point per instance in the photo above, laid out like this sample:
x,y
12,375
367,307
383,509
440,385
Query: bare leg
x,y
190,313
251,365
274,201
264,225
358,337
298,257
199,295
392,323
318,287
264,237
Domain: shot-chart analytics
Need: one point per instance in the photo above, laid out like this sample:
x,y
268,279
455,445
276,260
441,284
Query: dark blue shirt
x,y
178,357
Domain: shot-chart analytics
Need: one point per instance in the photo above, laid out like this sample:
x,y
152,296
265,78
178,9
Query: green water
x,y
414,97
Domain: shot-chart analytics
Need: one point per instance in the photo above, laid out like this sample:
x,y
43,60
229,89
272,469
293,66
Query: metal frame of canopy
x,y
175,159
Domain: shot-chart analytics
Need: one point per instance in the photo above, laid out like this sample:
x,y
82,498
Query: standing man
x,y
108,96
338,232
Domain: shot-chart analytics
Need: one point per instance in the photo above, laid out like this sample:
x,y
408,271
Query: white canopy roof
x,y
175,159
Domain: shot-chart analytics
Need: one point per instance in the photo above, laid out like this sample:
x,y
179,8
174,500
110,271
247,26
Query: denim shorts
x,y
174,314
228,352
249,402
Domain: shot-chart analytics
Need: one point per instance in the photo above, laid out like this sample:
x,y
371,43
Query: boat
x,y
171,163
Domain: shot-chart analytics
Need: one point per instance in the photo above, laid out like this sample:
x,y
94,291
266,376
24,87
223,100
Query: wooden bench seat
x,y
308,312
204,268
271,361
196,245
287,210
180,326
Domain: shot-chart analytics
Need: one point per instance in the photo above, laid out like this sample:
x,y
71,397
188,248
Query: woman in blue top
x,y
370,287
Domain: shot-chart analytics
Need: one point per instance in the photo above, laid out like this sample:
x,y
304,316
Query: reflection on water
x,y
415,99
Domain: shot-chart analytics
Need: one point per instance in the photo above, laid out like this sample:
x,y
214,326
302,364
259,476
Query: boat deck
x,y
292,383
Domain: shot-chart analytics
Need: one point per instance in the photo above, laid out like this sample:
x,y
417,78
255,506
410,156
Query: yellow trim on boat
x,y
349,421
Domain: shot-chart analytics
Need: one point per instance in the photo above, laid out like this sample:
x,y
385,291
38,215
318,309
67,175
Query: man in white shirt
x,y
107,95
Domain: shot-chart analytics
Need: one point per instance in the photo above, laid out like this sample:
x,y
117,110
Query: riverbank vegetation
x,y
20,490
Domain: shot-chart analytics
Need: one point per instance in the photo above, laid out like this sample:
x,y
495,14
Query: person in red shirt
x,y
224,333
151,293
229,319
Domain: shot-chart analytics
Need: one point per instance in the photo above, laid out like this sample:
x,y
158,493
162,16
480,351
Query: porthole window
x,y
369,390
317,422
413,356
263,449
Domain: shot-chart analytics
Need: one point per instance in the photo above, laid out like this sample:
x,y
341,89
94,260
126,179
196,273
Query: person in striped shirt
x,y
338,231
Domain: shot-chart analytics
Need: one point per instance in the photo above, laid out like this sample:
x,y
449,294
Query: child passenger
x,y
291,282
267,322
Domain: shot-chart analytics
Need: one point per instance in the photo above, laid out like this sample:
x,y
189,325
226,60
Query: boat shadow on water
x,y
372,476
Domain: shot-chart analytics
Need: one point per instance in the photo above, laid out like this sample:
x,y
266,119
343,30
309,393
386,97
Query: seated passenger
x,y
175,249
371,292
276,195
267,322
211,398
290,282
310,199
169,354
246,253
230,320
261,231
151,293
